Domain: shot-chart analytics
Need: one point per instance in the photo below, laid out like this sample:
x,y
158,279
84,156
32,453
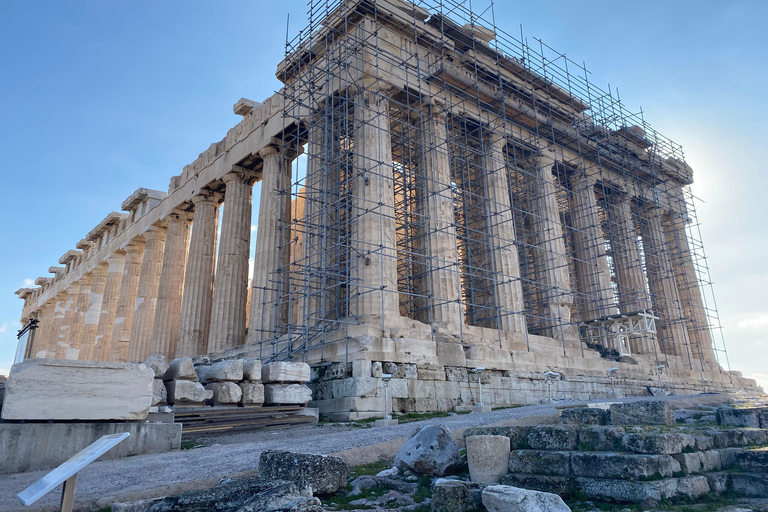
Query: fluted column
x,y
506,265
105,329
91,323
78,321
441,228
373,265
198,280
44,334
661,278
146,295
56,347
593,275
263,317
165,332
230,291
64,350
126,302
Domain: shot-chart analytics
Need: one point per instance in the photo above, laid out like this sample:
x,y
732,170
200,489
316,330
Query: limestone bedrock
x,y
84,390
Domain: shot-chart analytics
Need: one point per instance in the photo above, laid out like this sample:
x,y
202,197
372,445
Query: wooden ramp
x,y
207,421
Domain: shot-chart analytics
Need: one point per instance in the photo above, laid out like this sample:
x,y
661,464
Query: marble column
x,y
441,229
265,287
373,261
688,287
105,329
146,294
198,280
76,334
126,302
68,323
44,334
661,278
592,273
91,322
506,265
230,290
56,347
165,332
556,301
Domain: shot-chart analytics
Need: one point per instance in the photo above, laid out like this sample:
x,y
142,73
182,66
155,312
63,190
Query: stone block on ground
x,y
582,416
546,437
718,482
601,439
253,393
752,461
159,393
750,485
646,494
658,443
223,371
430,450
325,474
283,371
623,466
644,412
455,496
738,417
187,391
182,368
560,485
488,458
503,498
518,435
45,389
252,370
540,462
288,394
158,364
227,393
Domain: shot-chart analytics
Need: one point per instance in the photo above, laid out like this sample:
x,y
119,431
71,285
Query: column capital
x,y
207,197
116,257
155,233
135,246
100,269
74,288
269,151
86,280
179,215
239,175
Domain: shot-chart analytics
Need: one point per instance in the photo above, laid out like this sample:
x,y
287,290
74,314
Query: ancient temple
x,y
436,197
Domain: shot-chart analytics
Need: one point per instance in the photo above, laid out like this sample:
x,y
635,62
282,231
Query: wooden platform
x,y
208,421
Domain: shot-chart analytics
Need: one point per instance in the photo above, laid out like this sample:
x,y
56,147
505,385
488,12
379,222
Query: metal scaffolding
x,y
603,222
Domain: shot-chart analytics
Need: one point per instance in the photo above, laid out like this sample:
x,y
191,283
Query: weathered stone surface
x,y
365,482
582,416
728,438
243,495
401,370
738,417
223,371
45,389
646,412
560,485
282,371
703,443
658,443
545,437
455,496
158,364
601,439
503,498
518,435
718,482
540,462
699,462
647,494
456,374
376,369
488,458
252,370
752,461
187,391
755,436
325,474
253,393
623,466
430,372
286,394
692,487
750,484
430,450
159,393
225,392
181,368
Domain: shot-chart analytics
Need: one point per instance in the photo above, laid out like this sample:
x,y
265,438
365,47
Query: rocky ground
x,y
106,482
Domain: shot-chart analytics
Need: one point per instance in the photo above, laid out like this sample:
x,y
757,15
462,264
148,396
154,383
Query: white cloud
x,y
4,371
3,327
28,282
761,378
253,228
755,321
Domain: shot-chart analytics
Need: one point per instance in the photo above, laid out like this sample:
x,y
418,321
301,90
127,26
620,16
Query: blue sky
x,y
100,98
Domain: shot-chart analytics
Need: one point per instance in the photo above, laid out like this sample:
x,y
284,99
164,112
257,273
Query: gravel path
x,y
143,476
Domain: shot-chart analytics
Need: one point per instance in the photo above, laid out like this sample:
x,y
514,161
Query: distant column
x,y
43,334
373,269
104,331
67,323
76,334
165,333
506,265
126,303
593,275
441,230
146,295
56,347
91,322
198,281
230,291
